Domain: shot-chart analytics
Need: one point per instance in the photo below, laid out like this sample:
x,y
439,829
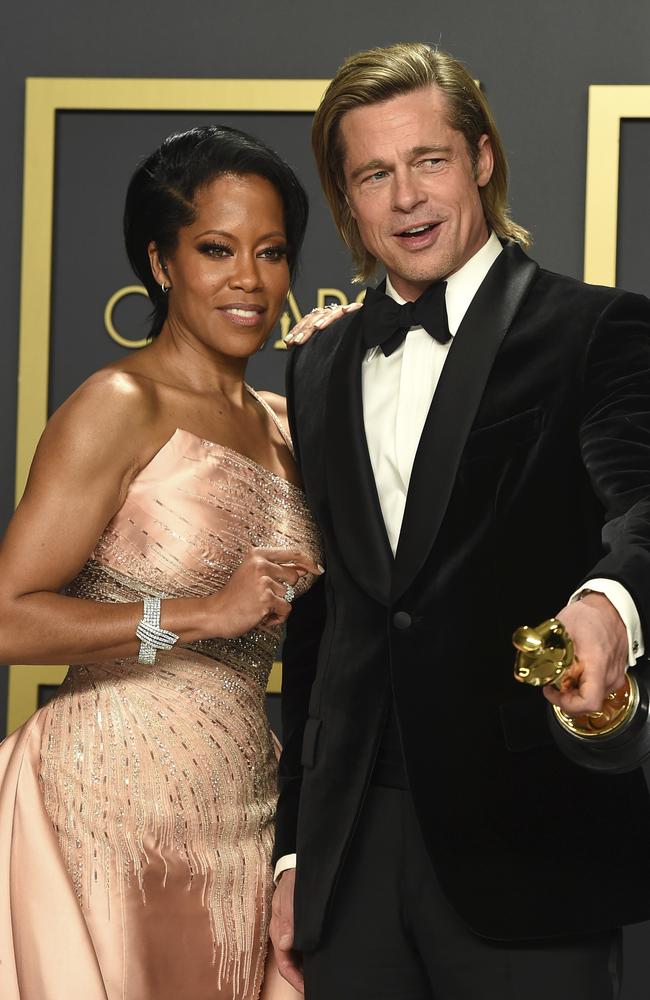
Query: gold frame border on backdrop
x,y
608,106
45,97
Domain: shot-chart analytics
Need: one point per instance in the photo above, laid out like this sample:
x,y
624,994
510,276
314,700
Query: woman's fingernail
x,y
351,306
298,337
288,338
320,322
321,569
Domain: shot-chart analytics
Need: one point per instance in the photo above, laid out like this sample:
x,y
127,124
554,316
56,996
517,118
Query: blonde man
x,y
475,444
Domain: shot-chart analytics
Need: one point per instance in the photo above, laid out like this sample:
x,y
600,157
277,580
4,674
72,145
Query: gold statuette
x,y
544,654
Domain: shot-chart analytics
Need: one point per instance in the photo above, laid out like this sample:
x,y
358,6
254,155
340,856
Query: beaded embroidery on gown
x,y
136,809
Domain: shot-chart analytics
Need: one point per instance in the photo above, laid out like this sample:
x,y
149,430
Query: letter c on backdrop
x,y
120,294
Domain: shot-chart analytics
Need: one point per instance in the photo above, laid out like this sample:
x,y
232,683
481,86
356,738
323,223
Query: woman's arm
x,y
91,450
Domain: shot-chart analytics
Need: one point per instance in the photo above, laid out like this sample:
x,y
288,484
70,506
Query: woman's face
x,y
229,274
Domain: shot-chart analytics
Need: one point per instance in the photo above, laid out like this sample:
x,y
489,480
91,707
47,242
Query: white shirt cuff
x,y
617,595
284,863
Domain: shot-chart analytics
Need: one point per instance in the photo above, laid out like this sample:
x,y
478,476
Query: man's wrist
x,y
285,863
621,600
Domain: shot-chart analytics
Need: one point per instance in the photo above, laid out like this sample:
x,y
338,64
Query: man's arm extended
x,y
615,445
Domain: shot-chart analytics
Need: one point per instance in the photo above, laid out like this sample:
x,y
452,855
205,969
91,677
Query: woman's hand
x,y
316,320
256,592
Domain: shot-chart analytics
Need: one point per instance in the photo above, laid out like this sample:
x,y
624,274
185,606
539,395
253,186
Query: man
x,y
475,461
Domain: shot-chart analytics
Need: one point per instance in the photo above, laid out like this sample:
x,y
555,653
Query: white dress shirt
x,y
397,390
397,393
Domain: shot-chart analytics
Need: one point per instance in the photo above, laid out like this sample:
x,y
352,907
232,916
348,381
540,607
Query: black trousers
x,y
391,935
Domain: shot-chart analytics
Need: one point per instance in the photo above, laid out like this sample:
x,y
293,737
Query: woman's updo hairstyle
x,y
160,197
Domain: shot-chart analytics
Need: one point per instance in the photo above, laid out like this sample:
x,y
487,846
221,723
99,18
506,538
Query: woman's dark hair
x,y
160,197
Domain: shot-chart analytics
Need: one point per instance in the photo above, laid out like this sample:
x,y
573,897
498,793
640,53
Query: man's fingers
x,y
588,697
288,965
289,969
281,931
286,960
600,643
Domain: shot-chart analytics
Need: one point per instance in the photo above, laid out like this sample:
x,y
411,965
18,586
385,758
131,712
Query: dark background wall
x,y
535,61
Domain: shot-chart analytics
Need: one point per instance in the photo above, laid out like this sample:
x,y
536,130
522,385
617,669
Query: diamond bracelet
x,y
152,637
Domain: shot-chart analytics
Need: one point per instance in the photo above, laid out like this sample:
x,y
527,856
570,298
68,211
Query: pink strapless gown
x,y
136,809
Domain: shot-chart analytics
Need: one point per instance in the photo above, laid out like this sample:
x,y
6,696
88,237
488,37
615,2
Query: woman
x,y
160,540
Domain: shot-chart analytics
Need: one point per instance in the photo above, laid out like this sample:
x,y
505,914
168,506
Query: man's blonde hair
x,y
380,74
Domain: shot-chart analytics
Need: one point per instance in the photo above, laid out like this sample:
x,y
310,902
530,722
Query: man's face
x,y
412,188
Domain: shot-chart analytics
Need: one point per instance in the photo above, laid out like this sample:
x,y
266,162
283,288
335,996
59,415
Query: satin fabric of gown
x,y
136,808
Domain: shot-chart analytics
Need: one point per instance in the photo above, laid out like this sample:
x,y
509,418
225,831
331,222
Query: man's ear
x,y
484,161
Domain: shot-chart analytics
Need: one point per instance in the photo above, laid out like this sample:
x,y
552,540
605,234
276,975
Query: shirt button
x,y
402,620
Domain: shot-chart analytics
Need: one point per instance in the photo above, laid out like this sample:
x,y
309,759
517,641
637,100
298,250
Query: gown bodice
x,y
189,518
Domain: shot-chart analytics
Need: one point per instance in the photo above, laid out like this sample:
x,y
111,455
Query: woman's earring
x,y
165,287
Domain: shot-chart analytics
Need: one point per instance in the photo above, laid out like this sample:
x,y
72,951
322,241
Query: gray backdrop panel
x,y
535,60
632,256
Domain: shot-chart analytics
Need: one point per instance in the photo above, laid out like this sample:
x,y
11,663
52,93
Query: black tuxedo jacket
x,y
532,475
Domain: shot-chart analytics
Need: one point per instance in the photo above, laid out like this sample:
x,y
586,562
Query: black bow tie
x,y
386,322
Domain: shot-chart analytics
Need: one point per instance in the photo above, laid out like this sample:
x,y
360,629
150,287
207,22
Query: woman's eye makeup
x,y
212,248
277,252
215,249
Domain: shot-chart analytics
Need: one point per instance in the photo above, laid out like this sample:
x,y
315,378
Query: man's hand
x,y
601,650
282,930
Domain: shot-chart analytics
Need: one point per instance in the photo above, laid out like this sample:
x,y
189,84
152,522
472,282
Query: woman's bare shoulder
x,y
108,417
114,394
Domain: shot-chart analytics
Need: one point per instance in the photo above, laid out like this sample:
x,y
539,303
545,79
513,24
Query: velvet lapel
x,y
454,407
356,512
